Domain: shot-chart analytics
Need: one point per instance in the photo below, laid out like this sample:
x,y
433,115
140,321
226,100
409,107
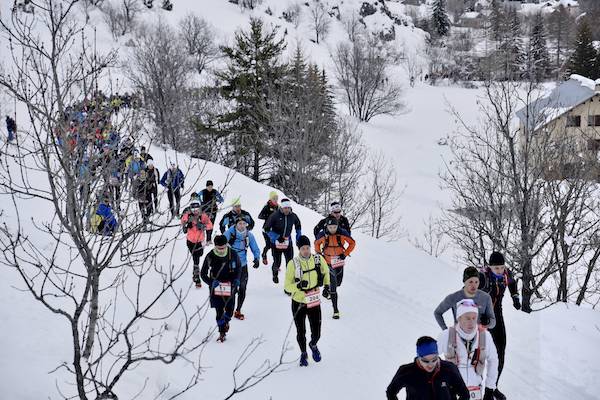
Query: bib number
x,y
475,393
223,290
282,245
337,262
312,298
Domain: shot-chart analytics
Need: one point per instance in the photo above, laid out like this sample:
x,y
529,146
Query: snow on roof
x,y
471,15
546,7
560,100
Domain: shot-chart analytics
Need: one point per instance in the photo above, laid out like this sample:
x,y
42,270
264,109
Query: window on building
x,y
593,120
593,145
573,120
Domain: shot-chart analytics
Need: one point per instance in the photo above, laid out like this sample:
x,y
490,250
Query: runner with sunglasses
x,y
471,348
469,291
428,377
335,211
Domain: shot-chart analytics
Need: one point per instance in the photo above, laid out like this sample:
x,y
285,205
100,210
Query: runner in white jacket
x,y
467,335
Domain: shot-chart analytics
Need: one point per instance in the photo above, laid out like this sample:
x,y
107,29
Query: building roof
x,y
563,98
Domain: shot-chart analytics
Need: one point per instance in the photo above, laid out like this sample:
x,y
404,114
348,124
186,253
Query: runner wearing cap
x,y
335,244
471,348
279,229
194,223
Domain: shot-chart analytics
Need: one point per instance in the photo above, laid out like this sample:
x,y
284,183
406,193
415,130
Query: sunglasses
x,y
337,212
429,362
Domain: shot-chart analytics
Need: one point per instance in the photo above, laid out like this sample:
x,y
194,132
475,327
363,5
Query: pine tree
x,y
439,18
560,27
583,60
497,21
253,70
511,48
538,58
303,123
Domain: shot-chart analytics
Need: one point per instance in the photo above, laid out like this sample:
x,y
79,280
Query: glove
x,y
342,256
215,284
236,283
281,239
301,285
489,394
255,263
516,303
485,320
326,293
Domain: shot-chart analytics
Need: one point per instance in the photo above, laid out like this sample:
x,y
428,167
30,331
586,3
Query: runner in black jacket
x,y
222,268
279,228
335,211
264,214
428,377
494,280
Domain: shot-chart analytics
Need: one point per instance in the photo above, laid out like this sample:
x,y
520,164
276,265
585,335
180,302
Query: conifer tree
x,y
439,18
583,59
254,68
538,67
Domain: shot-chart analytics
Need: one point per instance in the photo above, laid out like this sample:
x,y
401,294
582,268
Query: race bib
x,y
475,393
223,290
337,262
282,245
313,298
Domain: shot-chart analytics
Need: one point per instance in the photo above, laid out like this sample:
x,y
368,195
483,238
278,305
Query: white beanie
x,y
286,203
466,306
335,206
150,163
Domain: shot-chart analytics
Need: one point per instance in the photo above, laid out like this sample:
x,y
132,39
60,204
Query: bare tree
x,y
347,156
293,14
526,192
121,18
160,70
319,20
199,41
72,272
381,200
413,65
362,73
353,26
433,241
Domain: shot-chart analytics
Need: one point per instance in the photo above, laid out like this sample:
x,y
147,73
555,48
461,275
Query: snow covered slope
x,y
387,301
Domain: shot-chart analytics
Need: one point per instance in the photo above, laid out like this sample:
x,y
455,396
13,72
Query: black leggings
x,y
241,294
335,280
267,244
287,253
196,250
174,197
224,312
499,335
300,312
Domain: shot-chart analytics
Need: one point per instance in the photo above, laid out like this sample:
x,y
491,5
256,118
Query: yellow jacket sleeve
x,y
325,271
290,274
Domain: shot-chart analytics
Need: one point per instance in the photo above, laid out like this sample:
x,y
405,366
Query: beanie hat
x,y
220,240
286,203
150,163
496,258
303,241
194,195
240,218
272,195
426,346
470,272
209,183
466,306
331,221
236,203
335,207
